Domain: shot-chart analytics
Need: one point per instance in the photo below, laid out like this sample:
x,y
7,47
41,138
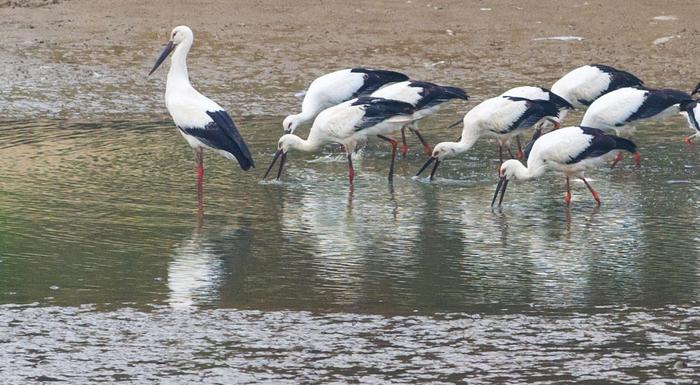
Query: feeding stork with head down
x,y
349,124
571,150
202,122
501,117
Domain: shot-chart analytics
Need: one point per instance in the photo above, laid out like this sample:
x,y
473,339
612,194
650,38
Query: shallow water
x,y
111,269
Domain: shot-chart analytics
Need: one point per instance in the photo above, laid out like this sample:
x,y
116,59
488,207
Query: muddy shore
x,y
88,60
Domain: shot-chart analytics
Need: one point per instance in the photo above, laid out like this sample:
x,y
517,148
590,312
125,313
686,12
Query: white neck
x,y
470,135
533,170
177,75
307,145
305,115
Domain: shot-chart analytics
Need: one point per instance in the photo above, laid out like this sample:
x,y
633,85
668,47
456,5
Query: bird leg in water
x,y
351,170
568,192
199,160
617,159
689,139
520,154
593,192
404,146
394,145
427,149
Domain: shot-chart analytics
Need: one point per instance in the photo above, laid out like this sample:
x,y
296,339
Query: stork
x,y
571,150
202,122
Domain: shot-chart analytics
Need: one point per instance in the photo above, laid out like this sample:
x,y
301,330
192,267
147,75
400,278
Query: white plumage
x,y
619,109
349,123
337,87
570,150
585,84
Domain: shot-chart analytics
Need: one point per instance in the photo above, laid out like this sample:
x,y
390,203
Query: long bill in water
x,y
274,160
501,187
435,167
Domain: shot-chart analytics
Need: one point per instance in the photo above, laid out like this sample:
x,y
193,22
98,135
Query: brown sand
x,y
87,59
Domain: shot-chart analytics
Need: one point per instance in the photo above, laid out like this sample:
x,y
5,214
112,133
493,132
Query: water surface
x,y
108,258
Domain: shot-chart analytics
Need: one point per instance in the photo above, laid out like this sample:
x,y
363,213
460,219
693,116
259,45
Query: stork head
x,y
286,142
179,35
290,124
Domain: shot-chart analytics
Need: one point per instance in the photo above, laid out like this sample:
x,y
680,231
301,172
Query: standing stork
x,y
619,109
202,122
349,123
583,85
338,87
501,117
571,150
425,97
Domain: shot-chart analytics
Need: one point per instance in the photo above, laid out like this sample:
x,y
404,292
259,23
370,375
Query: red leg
x,y
427,149
404,146
593,192
637,159
617,159
351,170
520,154
568,192
199,158
394,145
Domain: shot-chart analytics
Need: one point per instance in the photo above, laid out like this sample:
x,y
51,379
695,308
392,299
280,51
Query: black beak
x,y
274,160
430,160
501,187
168,49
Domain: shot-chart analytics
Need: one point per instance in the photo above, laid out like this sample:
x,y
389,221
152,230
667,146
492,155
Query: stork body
x,y
621,108
337,87
570,150
583,85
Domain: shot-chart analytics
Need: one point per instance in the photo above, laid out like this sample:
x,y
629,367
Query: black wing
x,y
536,110
374,79
378,110
657,101
433,94
222,134
601,144
618,78
560,102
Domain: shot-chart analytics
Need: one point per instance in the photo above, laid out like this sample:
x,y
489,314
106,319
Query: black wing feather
x,y
433,94
602,144
378,110
657,101
536,111
222,134
374,79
